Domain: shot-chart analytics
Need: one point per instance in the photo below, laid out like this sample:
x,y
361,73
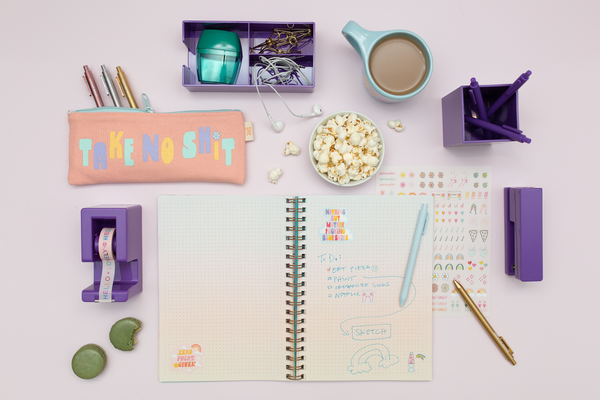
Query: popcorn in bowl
x,y
347,148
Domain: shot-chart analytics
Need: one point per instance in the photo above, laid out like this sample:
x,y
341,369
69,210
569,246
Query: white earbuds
x,y
288,68
317,110
277,125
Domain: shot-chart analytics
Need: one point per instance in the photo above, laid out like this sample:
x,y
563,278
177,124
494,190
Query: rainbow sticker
x,y
460,257
437,257
421,356
197,348
449,256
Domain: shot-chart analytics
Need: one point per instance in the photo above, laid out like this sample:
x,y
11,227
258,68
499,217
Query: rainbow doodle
x,y
360,360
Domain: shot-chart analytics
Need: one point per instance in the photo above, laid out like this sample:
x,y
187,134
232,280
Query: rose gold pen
x,y
124,86
502,345
91,85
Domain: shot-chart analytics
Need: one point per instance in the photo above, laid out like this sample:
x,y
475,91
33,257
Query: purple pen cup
x,y
459,102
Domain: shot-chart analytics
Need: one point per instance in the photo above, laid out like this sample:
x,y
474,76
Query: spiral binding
x,y
294,311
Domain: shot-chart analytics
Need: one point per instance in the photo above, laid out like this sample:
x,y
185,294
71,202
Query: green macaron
x,y
122,333
89,361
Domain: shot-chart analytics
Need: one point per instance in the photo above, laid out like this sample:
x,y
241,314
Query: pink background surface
x,y
551,326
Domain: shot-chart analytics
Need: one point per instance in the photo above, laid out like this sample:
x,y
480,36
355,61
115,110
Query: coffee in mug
x,y
397,65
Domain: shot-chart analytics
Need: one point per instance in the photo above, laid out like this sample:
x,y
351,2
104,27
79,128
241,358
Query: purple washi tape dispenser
x,y
523,233
124,259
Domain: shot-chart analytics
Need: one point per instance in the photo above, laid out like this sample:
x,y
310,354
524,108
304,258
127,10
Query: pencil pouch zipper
x,y
147,109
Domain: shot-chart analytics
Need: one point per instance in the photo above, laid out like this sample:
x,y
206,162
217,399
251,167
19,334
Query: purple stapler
x,y
126,243
523,233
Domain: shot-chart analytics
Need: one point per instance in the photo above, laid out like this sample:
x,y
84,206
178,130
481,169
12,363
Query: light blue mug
x,y
364,41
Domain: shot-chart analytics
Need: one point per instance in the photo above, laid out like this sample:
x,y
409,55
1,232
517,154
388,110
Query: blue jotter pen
x,y
414,250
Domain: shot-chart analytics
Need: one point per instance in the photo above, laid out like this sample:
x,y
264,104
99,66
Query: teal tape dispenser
x,y
218,57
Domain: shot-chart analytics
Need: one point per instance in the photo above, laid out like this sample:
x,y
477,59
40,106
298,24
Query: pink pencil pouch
x,y
115,144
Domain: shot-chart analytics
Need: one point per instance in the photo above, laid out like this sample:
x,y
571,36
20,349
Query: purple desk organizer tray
x,y
251,34
127,244
458,103
523,233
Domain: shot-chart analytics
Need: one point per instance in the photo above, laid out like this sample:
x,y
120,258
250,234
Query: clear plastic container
x,y
219,57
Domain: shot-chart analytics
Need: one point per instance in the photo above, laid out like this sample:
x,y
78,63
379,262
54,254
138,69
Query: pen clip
x,y
473,99
506,344
87,85
104,83
510,128
120,86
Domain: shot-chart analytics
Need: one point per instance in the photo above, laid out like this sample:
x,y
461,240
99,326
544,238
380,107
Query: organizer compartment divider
x,y
251,34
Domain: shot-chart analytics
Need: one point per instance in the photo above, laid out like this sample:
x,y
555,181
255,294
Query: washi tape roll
x,y
107,255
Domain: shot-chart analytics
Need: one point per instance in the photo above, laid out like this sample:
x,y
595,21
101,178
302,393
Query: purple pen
x,y
509,92
505,130
477,98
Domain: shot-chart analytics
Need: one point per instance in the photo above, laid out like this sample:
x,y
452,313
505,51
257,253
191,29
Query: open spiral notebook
x,y
298,288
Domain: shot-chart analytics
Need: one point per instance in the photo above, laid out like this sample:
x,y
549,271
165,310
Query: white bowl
x,y
324,122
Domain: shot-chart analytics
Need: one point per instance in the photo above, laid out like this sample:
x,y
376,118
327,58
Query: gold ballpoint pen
x,y
500,342
124,86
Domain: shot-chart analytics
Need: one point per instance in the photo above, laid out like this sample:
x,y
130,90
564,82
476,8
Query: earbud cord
x,y
260,97
291,66
276,92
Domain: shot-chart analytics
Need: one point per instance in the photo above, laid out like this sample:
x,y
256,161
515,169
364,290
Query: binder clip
x,y
523,233
125,243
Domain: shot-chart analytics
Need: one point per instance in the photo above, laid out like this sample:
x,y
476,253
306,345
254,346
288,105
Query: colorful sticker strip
x,y
462,229
107,255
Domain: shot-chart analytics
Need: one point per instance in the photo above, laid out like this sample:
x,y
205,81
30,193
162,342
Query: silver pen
x,y
109,87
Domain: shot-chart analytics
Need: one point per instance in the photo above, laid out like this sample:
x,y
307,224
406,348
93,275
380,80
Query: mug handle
x,y
358,37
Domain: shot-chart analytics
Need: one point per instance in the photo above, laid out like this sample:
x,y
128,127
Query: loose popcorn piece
x,y
347,149
291,149
396,125
274,174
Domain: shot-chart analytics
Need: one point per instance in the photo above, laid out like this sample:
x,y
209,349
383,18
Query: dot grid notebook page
x,y
222,271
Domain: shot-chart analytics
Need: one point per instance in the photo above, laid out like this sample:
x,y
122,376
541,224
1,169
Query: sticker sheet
x,y
462,229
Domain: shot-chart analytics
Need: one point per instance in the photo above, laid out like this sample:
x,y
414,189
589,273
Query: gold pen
x,y
500,342
124,86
